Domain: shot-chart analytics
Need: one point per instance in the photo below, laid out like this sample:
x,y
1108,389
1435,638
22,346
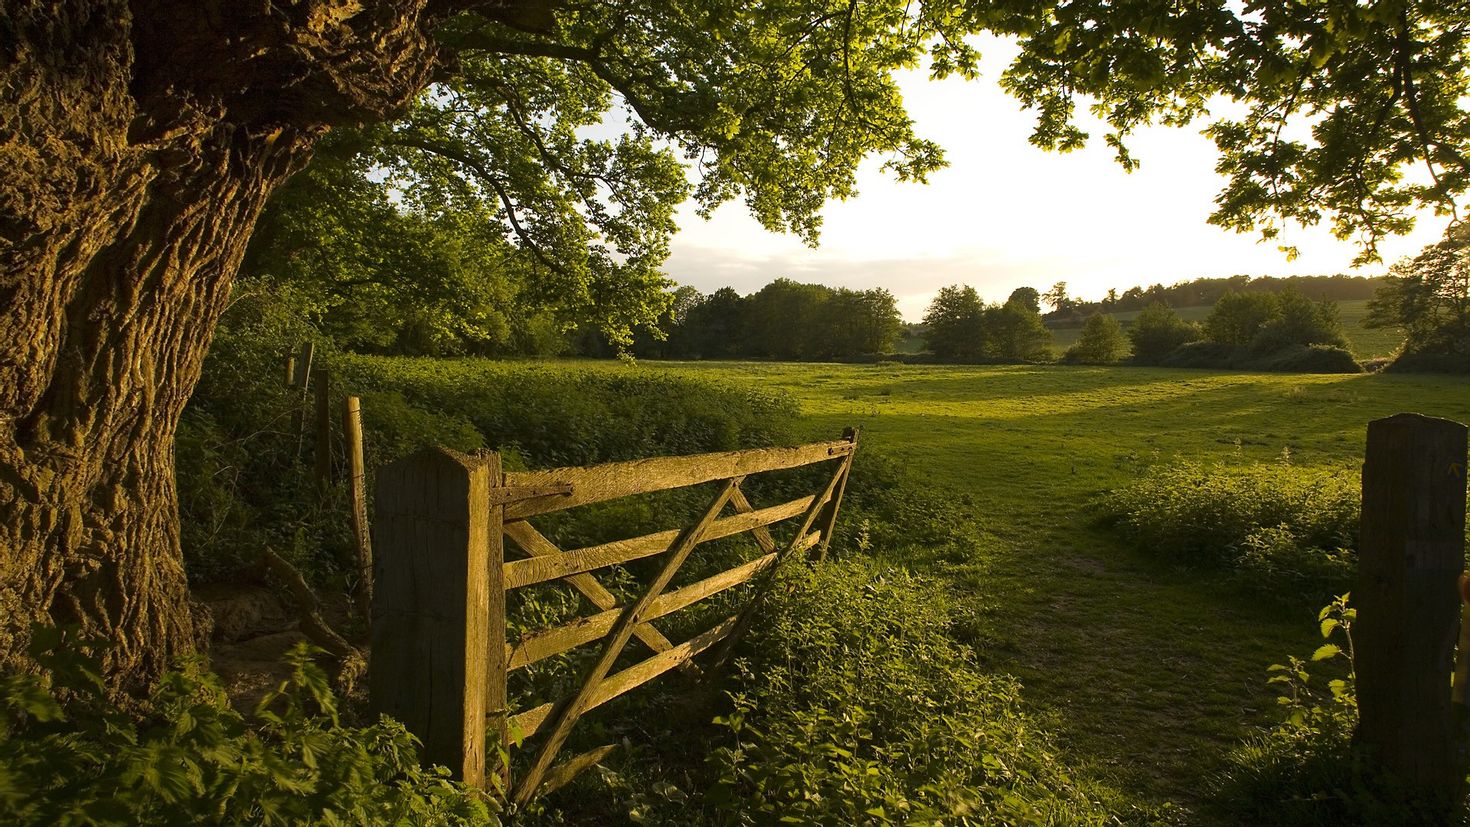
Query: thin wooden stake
x,y
1410,554
290,370
357,493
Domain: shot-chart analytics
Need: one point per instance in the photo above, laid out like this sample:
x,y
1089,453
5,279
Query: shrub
x,y
192,759
1299,322
1157,331
1279,524
1102,342
1308,359
852,705
1201,355
1236,318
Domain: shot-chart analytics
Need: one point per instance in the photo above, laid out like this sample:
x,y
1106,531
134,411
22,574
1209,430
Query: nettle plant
x,y
68,755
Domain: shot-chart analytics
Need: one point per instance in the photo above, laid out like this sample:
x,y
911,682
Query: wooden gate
x,y
440,657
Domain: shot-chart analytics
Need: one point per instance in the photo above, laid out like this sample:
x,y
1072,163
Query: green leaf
x,y
1326,650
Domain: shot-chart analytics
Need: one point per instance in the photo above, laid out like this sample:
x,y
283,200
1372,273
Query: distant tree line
x,y
1284,330
783,320
961,327
1203,292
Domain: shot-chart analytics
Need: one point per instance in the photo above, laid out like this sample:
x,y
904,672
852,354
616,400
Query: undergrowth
x,y
1306,770
1281,527
68,756
853,704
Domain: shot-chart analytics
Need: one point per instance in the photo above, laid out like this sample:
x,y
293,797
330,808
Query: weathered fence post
x,y
302,365
357,493
1411,553
431,618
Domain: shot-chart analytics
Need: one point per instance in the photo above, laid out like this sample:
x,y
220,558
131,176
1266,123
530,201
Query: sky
x,y
1005,214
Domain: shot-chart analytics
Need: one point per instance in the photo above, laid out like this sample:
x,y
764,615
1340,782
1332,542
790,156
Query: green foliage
x,y
1307,359
852,705
245,475
1102,342
1281,526
1158,331
68,756
1014,331
1237,317
962,328
1335,105
955,323
783,320
1429,297
1306,770
1297,321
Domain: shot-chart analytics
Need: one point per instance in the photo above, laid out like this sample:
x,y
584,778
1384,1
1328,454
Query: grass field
x,y
1149,672
1365,342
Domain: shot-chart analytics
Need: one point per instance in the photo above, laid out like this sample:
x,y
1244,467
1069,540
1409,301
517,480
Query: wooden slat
x,y
543,644
532,541
762,536
530,721
564,772
617,639
541,568
829,519
641,476
744,618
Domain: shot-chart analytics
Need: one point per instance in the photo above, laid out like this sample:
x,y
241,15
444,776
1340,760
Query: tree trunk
x,y
139,142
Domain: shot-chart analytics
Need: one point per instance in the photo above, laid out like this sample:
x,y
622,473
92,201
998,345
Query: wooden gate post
x,y
1411,553
432,602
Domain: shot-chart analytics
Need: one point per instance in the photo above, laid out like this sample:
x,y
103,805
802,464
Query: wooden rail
x,y
441,660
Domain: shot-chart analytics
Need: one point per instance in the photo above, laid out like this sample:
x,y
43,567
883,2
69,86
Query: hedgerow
x,y
1280,525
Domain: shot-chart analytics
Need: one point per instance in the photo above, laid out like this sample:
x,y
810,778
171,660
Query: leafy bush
x,y
68,756
853,705
1102,342
1158,331
1200,355
1280,524
1306,769
1299,322
1290,359
1308,359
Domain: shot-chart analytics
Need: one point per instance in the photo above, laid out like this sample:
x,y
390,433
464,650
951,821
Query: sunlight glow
x,y
1006,214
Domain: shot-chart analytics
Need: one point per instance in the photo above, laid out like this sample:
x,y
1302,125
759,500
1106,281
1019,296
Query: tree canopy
x,y
1428,295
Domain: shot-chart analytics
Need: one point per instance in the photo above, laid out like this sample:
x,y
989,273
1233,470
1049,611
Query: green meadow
x,y
1149,672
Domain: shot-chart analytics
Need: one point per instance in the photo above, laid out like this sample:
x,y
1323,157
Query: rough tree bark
x,y
138,143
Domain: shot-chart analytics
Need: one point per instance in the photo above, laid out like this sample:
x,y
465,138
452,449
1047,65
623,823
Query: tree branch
x,y
489,177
